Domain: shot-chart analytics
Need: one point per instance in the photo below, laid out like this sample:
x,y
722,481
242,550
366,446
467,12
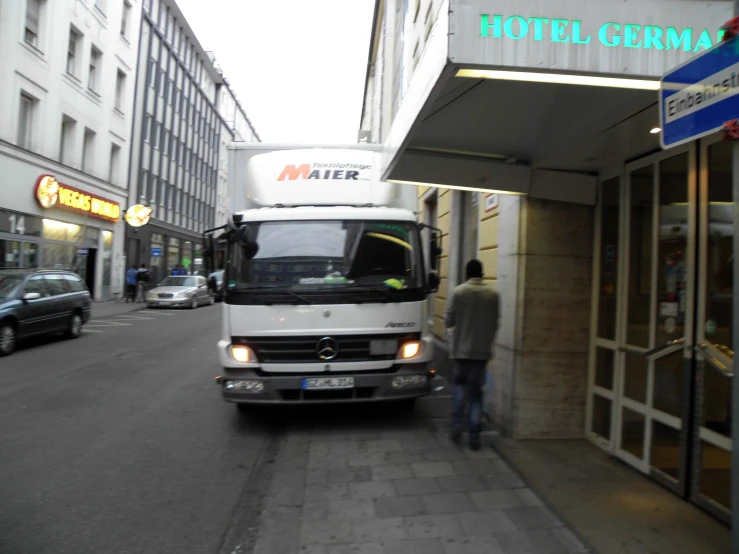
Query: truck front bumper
x,y
288,389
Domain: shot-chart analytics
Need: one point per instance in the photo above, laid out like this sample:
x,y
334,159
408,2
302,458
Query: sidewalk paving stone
x,y
402,491
415,487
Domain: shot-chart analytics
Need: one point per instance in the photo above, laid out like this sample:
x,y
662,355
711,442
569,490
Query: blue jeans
x,y
469,378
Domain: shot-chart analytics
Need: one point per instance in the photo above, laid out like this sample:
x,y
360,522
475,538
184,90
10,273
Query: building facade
x,y
532,139
176,147
235,127
68,71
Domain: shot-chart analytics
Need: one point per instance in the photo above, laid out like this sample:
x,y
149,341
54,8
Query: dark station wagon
x,y
39,302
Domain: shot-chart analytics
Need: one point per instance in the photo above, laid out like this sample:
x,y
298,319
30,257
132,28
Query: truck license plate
x,y
324,383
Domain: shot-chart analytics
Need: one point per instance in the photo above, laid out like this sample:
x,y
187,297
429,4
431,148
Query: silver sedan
x,y
182,291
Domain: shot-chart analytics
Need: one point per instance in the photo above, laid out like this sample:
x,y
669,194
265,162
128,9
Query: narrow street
x,y
120,443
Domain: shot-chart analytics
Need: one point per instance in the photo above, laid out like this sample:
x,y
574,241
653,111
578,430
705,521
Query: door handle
x,y
717,357
665,349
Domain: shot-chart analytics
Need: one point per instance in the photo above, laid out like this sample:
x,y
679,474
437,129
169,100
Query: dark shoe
x,y
456,436
475,445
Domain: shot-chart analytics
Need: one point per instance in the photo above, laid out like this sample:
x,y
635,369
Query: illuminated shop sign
x,y
138,215
611,34
50,193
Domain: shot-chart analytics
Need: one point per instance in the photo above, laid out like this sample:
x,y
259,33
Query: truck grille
x,y
351,348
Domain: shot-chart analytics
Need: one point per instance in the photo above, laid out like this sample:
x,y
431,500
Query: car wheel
x,y
74,329
194,302
8,338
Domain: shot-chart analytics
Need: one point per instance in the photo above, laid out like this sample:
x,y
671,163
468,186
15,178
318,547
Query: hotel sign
x,y
624,38
610,34
50,193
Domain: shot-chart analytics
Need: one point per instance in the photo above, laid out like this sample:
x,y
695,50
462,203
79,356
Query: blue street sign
x,y
699,96
156,252
82,252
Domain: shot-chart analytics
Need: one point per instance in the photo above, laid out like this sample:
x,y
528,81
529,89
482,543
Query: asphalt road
x,y
119,441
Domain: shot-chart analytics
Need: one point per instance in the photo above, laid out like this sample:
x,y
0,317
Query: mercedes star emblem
x,y
327,348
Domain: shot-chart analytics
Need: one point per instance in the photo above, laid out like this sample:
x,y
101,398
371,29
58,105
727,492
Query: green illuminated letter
x,y
674,40
703,42
485,26
631,33
538,26
576,34
603,34
559,27
523,27
653,37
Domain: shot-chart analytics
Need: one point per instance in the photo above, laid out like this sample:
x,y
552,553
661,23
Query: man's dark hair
x,y
143,266
474,269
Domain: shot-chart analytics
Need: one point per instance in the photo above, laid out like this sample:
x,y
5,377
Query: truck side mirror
x,y
434,282
434,251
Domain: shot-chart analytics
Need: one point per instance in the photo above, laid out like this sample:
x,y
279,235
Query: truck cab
x,y
324,303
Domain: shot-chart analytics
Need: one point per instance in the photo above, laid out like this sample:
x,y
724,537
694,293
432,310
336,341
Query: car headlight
x,y
181,294
242,353
410,350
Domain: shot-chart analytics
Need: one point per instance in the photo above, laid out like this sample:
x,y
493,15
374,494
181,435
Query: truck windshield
x,y
305,256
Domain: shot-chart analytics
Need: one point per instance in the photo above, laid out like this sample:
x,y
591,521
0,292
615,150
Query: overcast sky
x,y
297,66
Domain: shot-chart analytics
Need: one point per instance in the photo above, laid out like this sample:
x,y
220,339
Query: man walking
x,y
131,284
472,316
142,282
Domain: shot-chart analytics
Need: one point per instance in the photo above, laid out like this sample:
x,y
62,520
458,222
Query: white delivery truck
x,y
325,281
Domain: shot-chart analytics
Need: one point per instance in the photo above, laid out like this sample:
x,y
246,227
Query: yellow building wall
x,y
488,240
488,248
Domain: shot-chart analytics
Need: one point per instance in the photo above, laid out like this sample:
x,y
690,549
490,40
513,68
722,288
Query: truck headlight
x,y
410,349
242,353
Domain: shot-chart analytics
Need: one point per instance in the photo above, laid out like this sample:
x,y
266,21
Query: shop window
x,y
10,254
58,230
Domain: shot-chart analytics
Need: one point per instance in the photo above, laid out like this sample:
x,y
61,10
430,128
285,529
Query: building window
x,y
33,22
147,128
120,91
88,151
100,5
115,162
25,120
66,144
125,18
93,77
74,40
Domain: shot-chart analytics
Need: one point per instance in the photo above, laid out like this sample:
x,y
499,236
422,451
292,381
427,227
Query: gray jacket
x,y
473,312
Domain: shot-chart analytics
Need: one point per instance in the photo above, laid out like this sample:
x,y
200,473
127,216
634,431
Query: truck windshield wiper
x,y
376,290
288,292
269,290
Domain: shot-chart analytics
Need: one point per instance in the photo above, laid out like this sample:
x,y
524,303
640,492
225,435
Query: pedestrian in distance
x,y
131,284
142,281
472,316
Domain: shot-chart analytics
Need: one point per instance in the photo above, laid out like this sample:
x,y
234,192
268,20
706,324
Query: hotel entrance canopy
x,y
538,96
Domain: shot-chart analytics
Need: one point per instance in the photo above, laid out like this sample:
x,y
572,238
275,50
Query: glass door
x,y
642,355
711,442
